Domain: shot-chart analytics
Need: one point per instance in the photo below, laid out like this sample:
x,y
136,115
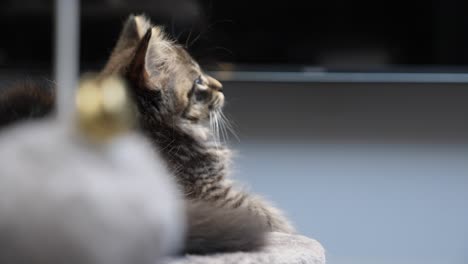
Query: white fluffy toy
x,y
80,192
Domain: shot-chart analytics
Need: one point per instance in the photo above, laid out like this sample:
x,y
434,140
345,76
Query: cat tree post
x,y
66,71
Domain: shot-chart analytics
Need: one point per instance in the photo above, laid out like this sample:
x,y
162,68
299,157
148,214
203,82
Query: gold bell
x,y
104,108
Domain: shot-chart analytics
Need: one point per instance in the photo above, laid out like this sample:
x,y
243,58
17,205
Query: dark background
x,y
338,34
364,153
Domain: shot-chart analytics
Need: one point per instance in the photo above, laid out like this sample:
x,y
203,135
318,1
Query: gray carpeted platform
x,y
281,249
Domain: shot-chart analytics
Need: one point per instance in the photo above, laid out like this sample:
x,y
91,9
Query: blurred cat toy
x,y
86,191
82,187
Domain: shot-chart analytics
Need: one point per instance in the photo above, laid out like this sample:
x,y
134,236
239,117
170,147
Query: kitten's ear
x,y
154,54
133,31
136,71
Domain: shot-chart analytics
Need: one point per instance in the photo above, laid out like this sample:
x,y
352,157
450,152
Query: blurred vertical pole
x,y
67,25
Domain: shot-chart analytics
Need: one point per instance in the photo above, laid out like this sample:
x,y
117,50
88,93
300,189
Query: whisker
x,y
228,122
223,127
224,49
188,38
177,38
195,39
217,127
211,122
220,22
208,29
213,128
172,27
229,126
220,126
217,131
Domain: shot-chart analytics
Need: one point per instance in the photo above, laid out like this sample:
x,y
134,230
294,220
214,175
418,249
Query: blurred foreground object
x,y
104,109
65,199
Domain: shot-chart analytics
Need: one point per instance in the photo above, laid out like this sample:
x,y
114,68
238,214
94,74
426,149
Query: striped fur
x,y
165,94
25,100
176,99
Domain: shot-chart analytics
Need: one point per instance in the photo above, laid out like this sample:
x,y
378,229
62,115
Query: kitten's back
x,y
26,100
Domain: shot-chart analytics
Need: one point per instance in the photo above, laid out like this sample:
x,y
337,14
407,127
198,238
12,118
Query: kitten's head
x,y
164,75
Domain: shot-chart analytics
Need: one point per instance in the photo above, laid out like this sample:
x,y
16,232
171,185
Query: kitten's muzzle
x,y
214,84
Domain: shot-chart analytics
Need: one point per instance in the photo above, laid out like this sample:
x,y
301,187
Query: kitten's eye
x,y
199,81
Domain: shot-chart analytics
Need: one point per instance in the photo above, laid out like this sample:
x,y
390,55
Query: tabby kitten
x,y
177,101
177,106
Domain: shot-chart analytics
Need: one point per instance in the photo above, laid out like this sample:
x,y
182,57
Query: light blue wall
x,y
377,174
368,204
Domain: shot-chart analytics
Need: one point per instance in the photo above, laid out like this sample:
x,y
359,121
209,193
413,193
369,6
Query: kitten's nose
x,y
214,84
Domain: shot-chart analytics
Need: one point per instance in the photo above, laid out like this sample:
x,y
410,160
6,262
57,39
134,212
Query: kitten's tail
x,y
213,229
